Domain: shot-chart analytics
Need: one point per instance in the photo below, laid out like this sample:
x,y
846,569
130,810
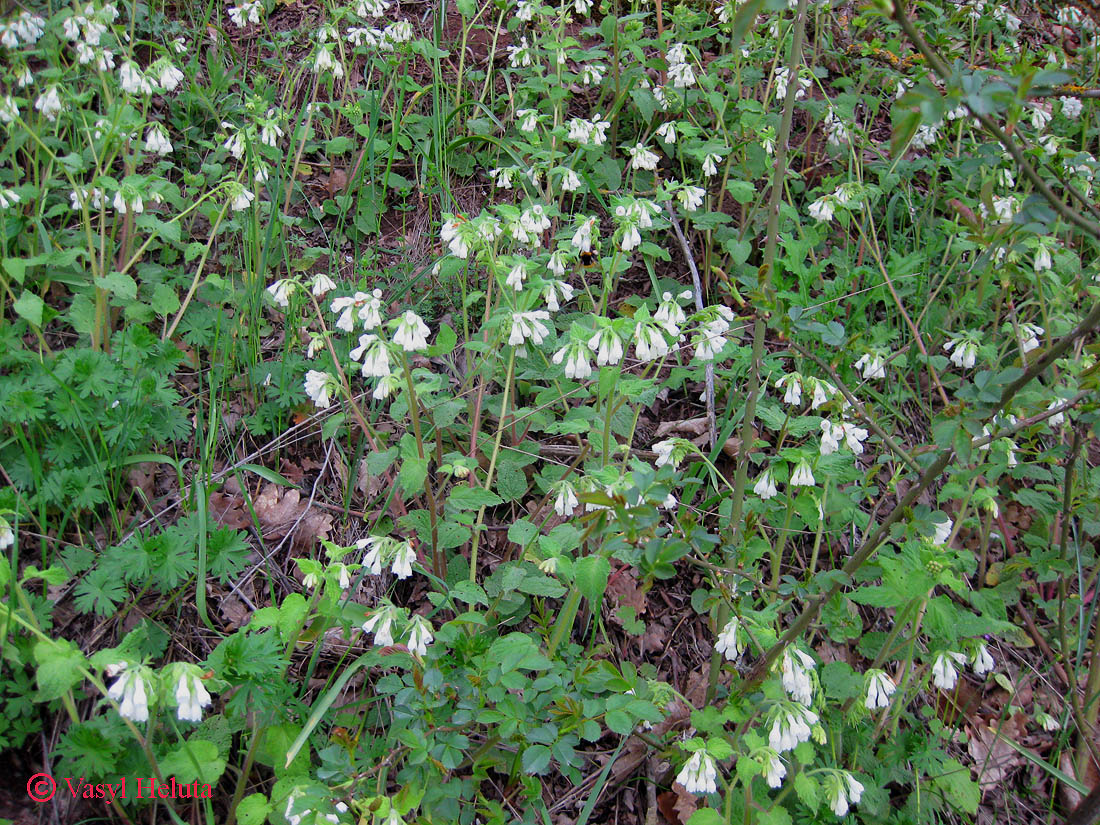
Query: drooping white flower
x,y
1029,337
375,546
403,559
944,674
128,201
641,157
281,290
690,197
191,697
248,11
680,73
670,314
699,774
241,197
324,62
822,391
554,292
964,351
575,355
9,109
765,485
792,724
1043,260
451,235
129,691
565,502
582,238
802,476
381,625
1071,107
49,103
822,209
319,386
607,346
982,662
412,332
1040,117
591,74
322,285
710,164
570,181
835,129
370,308
516,276
7,535
672,451
156,140
520,56
791,384
831,434
649,342
774,769
943,531
729,642
843,790
375,355
880,688
795,669
168,76
709,338
854,436
667,132
420,635
528,326
385,386
133,79
872,366
1048,722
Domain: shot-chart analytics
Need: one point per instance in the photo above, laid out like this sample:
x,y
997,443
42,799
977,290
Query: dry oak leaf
x,y
280,510
994,758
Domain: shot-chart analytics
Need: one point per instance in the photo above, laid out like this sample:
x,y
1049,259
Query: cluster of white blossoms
x,y
781,78
836,130
294,816
699,774
374,353
398,554
964,349
843,790
381,624
680,72
880,687
792,723
135,687
588,132
945,674
24,29
796,670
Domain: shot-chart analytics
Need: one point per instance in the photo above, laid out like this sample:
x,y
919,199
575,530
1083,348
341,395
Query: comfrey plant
x,y
727,434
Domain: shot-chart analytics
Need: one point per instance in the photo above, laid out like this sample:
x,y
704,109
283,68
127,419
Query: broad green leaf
x,y
30,307
195,760
59,663
591,574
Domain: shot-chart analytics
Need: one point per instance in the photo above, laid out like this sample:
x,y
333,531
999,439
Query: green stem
x,y
492,460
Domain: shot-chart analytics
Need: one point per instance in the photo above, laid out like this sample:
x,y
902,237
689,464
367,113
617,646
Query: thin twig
x,y
712,422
